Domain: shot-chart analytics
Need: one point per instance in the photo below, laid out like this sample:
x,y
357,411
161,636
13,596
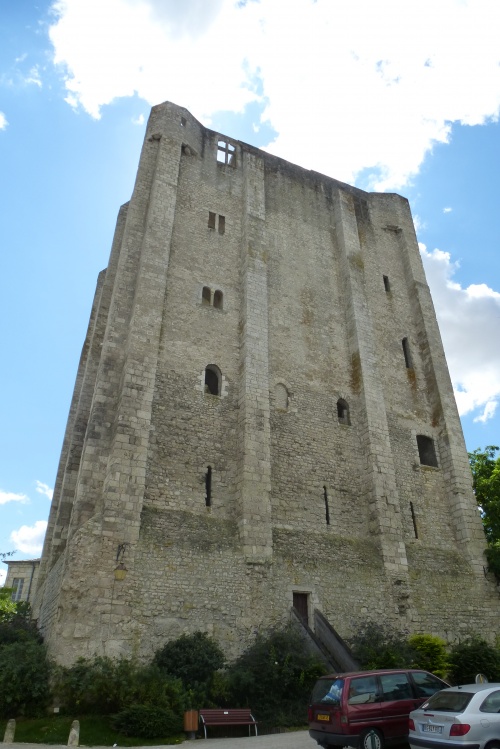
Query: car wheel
x,y
493,745
372,739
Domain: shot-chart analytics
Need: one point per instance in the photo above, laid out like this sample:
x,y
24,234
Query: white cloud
x,y
29,539
3,575
467,317
347,86
447,210
3,121
12,497
34,77
138,120
418,223
44,489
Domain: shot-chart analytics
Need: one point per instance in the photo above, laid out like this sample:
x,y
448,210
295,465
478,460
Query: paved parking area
x,y
293,740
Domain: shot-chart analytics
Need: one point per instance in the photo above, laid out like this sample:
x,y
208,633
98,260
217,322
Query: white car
x,y
464,717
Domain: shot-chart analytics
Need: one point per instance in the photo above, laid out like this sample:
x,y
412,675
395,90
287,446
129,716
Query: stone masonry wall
x,y
246,420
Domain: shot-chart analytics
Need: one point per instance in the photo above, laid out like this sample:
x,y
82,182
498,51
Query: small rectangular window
x,y
222,224
225,152
17,588
211,220
183,122
426,451
387,285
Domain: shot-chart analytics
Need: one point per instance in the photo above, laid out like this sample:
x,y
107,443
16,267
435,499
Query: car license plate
x,y
432,729
322,716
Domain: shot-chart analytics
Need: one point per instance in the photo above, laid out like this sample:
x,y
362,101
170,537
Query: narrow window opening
x,y
183,122
211,220
218,299
387,285
208,487
407,353
414,519
212,380
281,397
343,412
225,153
426,451
301,607
206,295
222,224
327,508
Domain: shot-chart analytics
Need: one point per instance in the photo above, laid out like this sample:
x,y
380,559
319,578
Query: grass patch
x,y
95,730
49,730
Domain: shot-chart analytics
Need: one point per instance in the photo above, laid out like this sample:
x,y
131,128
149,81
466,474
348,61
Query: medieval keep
x,y
263,420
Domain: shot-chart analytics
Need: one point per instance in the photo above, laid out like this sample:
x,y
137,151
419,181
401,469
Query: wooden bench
x,y
228,717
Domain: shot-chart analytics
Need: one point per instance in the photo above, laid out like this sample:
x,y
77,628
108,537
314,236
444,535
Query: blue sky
x,y
386,95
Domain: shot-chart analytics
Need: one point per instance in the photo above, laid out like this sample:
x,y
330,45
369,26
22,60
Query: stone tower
x,y
262,417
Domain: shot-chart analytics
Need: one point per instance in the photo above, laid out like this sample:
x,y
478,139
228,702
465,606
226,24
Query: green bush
x,y
103,686
96,685
471,657
194,659
274,677
493,557
24,678
147,721
381,646
430,654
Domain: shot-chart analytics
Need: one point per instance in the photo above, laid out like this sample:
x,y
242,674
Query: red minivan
x,y
368,709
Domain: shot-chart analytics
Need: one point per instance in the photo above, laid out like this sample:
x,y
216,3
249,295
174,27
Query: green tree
x,y
194,659
7,605
377,645
485,467
473,656
274,677
24,678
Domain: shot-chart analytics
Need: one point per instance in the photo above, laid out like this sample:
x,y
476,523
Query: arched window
x,y
213,379
281,397
218,296
343,412
206,295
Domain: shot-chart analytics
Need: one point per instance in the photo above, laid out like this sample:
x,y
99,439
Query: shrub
x,y
381,646
147,721
15,621
194,659
471,657
94,685
274,677
104,686
24,678
430,654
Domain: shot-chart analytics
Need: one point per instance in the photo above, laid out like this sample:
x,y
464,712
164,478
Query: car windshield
x,y
449,702
327,690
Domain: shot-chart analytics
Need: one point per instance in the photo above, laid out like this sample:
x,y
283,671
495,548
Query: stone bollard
x,y
10,729
74,734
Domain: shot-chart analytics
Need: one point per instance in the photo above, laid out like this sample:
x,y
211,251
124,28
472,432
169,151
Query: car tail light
x,y
310,714
411,724
459,729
